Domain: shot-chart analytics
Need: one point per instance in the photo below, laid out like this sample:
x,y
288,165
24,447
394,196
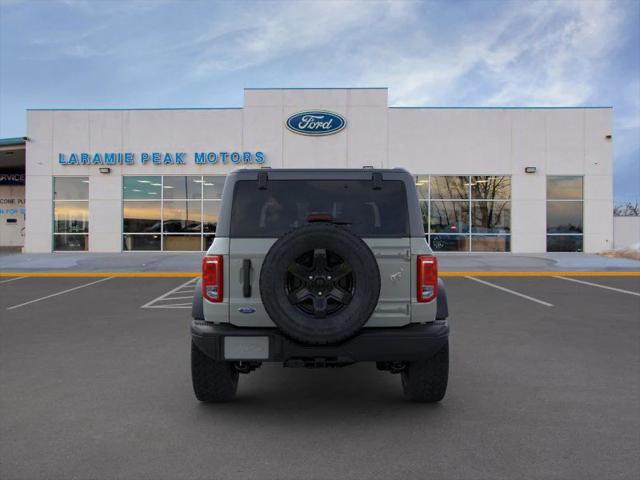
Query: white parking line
x,y
158,302
484,282
628,292
59,293
12,279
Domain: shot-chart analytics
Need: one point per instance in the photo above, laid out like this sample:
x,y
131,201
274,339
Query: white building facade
x,y
490,179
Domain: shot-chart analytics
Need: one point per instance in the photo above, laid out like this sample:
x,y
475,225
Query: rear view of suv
x,y
320,268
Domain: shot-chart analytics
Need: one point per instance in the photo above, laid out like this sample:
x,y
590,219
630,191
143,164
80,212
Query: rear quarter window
x,y
288,204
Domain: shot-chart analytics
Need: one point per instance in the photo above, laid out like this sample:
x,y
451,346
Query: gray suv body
x,y
320,268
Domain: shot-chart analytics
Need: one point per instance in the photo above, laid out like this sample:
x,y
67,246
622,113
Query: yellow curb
x,y
102,274
540,274
197,274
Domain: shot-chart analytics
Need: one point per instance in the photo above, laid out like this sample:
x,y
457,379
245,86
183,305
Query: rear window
x,y
288,204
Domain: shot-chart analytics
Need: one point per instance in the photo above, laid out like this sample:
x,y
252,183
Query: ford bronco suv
x,y
320,268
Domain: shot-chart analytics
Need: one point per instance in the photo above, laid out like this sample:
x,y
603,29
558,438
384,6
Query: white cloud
x,y
540,53
281,29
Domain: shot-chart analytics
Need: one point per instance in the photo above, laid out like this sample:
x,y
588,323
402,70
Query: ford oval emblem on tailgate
x,y
247,310
316,122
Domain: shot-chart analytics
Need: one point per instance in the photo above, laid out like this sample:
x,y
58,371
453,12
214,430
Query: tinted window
x,y
70,242
451,243
212,186
71,217
181,216
284,205
564,243
564,188
491,217
449,217
71,188
141,217
141,242
182,187
142,187
450,187
564,217
490,187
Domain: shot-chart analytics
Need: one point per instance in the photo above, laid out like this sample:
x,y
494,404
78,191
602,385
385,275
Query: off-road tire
x,y
338,326
426,380
213,381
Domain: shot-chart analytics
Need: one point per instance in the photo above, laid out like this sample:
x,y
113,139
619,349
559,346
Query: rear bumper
x,y
410,343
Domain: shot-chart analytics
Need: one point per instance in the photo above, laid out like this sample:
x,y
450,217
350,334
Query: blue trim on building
x,y
241,108
506,108
12,141
126,109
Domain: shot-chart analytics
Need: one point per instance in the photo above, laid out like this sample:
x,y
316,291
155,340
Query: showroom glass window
x,y
564,213
71,213
171,212
466,213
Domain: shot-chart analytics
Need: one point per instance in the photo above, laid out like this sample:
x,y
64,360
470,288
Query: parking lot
x,y
545,383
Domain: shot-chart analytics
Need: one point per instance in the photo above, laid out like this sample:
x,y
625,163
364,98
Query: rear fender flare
x,y
197,312
442,305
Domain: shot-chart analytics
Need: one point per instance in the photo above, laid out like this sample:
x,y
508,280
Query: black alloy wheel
x,y
320,283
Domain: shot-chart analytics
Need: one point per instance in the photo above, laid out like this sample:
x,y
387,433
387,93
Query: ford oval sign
x,y
316,122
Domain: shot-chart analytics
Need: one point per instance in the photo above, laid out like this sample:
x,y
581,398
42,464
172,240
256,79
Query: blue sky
x,y
89,53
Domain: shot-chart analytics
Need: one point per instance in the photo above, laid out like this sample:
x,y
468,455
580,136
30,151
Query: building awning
x,y
12,142
12,155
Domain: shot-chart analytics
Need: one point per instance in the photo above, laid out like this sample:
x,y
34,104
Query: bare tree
x,y
628,209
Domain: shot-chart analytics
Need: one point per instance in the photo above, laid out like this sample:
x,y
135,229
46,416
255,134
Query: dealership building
x,y
505,179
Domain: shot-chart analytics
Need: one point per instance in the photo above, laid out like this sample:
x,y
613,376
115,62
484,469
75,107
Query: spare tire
x,y
320,283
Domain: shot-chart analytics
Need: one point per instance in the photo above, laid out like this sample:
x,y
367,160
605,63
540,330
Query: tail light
x,y
427,278
212,275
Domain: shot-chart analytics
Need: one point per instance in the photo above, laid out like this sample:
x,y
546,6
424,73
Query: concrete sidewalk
x,y
190,262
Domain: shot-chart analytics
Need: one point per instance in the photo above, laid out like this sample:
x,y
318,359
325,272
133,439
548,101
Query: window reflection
x,y
71,217
170,205
450,187
424,209
491,243
422,185
564,243
212,186
71,188
141,242
70,242
181,216
564,217
449,217
141,217
491,217
142,187
183,187
490,187
564,188
449,203
182,243
208,241
210,216
449,243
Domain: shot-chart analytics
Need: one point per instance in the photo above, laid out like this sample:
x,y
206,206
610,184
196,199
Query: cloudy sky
x,y
154,53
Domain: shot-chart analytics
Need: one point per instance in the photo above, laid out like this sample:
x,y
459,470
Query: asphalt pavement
x,y
545,383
